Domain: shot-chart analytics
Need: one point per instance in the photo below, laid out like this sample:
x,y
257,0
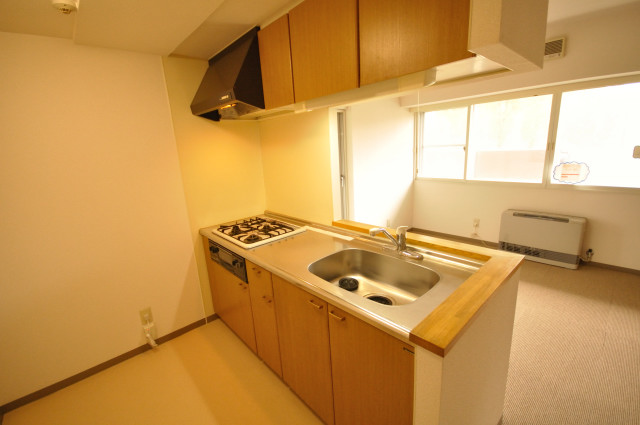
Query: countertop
x,y
433,321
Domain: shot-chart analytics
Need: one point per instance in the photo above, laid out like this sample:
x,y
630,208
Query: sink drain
x,y
380,299
348,283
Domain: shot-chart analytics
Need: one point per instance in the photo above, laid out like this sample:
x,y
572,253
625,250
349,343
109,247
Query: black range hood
x,y
232,85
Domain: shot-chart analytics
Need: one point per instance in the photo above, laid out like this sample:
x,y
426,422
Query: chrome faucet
x,y
400,243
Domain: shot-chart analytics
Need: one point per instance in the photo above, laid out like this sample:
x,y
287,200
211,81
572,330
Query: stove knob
x,y
214,249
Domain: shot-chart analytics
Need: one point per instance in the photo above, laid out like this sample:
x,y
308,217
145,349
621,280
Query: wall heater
x,y
543,237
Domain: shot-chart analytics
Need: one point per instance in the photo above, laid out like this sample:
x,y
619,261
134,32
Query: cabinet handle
x,y
319,307
335,316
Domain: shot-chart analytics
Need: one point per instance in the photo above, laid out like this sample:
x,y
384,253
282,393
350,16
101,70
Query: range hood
x,y
232,85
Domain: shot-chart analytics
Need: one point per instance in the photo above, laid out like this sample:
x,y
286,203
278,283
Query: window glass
x,y
508,140
597,132
443,144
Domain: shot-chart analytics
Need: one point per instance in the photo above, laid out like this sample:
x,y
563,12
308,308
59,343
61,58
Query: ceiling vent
x,y
554,48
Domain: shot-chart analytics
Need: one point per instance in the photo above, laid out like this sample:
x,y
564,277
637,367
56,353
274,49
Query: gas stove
x,y
255,231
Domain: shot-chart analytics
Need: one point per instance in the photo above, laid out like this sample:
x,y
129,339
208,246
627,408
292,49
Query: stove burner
x,y
235,230
252,237
255,230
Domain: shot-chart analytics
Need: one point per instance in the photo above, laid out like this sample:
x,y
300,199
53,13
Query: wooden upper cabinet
x,y
406,36
264,316
324,47
275,61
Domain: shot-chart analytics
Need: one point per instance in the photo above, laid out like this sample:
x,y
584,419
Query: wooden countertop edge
x,y
439,331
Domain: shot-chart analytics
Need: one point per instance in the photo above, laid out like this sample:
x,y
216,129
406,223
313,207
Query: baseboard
x,y
611,267
98,368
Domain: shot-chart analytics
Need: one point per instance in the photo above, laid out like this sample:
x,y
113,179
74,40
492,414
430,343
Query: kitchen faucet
x,y
400,243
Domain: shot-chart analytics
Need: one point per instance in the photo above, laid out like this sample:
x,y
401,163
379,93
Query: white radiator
x,y
543,237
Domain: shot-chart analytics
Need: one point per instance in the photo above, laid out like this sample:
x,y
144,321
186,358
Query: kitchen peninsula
x,y
416,363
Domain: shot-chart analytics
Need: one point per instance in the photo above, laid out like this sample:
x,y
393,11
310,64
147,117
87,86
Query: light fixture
x,y
65,6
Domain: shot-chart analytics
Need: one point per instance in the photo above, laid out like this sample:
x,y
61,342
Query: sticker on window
x,y
571,172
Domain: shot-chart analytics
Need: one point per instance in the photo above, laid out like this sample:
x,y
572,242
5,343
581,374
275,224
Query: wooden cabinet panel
x,y
275,62
231,300
304,346
406,36
372,373
324,47
264,316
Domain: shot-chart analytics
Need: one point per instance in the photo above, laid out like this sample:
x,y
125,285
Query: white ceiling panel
x,y
230,21
150,26
36,17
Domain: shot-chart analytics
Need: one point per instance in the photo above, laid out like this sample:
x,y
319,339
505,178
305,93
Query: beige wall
x,y
297,165
221,162
92,220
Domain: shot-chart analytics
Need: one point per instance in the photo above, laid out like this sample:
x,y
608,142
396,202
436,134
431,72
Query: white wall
x,y
597,45
93,220
380,149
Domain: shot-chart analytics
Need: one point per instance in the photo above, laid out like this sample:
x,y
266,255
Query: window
x,y
499,141
508,140
596,131
443,149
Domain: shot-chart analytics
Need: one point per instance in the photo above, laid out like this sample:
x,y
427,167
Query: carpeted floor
x,y
575,356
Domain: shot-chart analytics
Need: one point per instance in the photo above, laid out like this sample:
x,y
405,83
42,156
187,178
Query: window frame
x,y
556,91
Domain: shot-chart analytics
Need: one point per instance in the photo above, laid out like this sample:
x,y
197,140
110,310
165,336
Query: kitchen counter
x,y
469,277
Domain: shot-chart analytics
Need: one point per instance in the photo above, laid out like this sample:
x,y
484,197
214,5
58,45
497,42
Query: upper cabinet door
x,y
406,36
324,47
275,61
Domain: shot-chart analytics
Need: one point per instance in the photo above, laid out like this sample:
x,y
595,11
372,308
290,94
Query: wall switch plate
x,y
146,316
636,152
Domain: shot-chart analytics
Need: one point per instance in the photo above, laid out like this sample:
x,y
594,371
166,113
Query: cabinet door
x,y
304,346
372,373
275,62
232,302
406,36
264,316
324,47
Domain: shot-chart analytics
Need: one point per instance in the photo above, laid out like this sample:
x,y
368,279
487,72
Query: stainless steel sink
x,y
378,277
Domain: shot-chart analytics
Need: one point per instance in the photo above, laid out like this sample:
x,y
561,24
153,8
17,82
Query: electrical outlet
x,y
476,224
146,316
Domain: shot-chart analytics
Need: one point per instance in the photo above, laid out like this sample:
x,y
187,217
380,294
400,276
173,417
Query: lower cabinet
x,y
264,316
346,370
232,302
372,373
303,332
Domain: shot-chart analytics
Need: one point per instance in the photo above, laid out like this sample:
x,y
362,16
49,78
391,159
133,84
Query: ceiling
x,y
189,28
